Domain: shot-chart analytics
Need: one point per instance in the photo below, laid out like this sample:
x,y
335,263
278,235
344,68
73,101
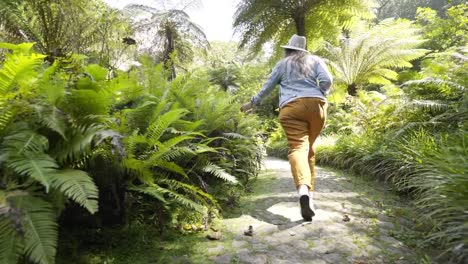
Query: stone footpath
x,y
349,226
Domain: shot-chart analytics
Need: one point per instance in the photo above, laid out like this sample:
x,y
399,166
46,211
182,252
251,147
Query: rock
x,y
291,233
215,250
222,259
346,218
249,232
333,258
239,243
252,259
214,236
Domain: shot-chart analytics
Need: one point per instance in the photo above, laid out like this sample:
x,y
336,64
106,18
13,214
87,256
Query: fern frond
x,y
433,81
196,192
219,172
154,191
25,142
138,168
38,166
166,165
78,144
430,105
10,241
18,68
78,186
39,226
157,128
54,120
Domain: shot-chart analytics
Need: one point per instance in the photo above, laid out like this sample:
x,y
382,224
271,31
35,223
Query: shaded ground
x,y
280,235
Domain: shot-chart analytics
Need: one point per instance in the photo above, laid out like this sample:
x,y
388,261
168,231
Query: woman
x,y
304,82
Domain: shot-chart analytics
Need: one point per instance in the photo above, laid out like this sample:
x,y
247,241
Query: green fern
x,y
78,186
215,170
10,241
18,68
39,228
37,166
157,128
154,191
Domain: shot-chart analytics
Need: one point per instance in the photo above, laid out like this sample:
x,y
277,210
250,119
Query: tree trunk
x,y
352,89
167,61
299,22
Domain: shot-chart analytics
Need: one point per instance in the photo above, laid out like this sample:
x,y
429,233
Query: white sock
x,y
311,201
303,190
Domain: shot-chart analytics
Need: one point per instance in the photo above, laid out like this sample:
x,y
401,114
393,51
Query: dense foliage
x,y
68,132
130,118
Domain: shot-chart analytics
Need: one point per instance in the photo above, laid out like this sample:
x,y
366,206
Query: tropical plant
x,y
225,76
166,32
444,32
372,56
58,27
37,170
260,21
411,136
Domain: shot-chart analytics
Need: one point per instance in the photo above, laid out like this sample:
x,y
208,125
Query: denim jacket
x,y
292,85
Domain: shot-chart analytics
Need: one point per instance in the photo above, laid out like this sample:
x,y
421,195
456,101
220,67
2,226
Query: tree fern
x,y
372,56
260,21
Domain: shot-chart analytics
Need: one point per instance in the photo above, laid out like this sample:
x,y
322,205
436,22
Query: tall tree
x,y
167,32
372,55
259,21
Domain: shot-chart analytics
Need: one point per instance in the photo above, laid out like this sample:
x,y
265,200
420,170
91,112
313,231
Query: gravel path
x,y
280,235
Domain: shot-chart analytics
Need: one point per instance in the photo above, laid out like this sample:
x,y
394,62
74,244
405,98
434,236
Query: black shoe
x,y
306,212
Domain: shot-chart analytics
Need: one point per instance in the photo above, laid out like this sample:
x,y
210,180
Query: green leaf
x,y
78,186
37,166
25,142
98,72
10,241
219,172
153,191
38,222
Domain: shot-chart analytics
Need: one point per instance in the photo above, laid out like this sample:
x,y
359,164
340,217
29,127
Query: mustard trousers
x,y
303,120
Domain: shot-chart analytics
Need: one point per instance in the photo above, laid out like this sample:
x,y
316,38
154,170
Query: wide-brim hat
x,y
296,43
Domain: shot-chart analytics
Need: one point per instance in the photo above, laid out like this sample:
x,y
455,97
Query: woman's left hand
x,y
246,107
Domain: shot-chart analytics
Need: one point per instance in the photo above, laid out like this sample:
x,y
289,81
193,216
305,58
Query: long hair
x,y
297,63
